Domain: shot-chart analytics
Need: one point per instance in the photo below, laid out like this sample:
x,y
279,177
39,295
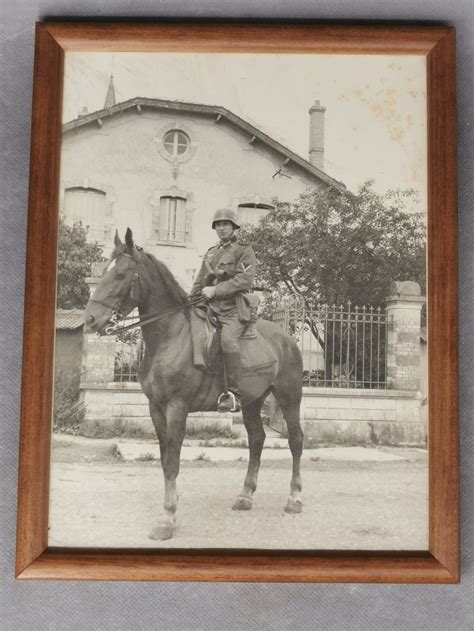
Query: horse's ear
x,y
117,241
129,240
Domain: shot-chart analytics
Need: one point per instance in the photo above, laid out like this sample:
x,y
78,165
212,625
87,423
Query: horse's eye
x,y
120,275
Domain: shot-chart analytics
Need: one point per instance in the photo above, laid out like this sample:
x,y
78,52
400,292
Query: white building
x,y
163,167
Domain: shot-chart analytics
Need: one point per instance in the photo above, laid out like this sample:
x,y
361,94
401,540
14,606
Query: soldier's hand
x,y
209,292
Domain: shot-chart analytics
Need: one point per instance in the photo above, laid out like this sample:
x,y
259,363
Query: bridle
x,y
132,286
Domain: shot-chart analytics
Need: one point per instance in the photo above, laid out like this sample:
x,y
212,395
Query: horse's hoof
x,y
293,506
162,532
242,503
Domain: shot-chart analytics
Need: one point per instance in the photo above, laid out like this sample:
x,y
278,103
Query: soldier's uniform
x,y
229,267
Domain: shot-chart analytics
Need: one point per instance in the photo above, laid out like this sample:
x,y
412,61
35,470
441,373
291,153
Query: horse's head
x,y
118,291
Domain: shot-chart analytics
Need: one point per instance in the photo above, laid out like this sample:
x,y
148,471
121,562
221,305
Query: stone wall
x,y
350,416
393,416
121,409
328,415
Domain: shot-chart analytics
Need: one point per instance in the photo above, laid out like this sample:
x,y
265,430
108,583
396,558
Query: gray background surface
x,y
120,606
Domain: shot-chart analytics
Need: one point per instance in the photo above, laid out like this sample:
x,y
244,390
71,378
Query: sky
x,y
375,121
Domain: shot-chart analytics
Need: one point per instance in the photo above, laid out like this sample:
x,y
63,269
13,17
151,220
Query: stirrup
x,y
228,402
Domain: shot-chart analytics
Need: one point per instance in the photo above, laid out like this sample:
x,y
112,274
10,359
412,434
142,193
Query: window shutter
x,y
163,227
251,213
189,225
88,206
170,221
180,229
155,222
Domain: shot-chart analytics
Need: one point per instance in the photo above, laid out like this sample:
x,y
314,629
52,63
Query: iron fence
x,y
129,350
343,346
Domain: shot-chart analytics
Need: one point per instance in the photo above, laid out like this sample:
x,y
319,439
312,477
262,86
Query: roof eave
x,y
209,110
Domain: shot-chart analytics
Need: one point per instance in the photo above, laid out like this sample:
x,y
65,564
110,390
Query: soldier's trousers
x,y
231,331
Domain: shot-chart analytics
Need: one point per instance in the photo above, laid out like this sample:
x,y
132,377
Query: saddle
x,y
256,355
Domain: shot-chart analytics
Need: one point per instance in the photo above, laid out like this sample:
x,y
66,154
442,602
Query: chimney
x,y
316,135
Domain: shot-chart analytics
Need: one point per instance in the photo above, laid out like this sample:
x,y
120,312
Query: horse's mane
x,y
174,289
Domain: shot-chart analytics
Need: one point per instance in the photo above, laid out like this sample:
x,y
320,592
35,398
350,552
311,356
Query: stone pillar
x,y
98,352
403,308
98,362
98,358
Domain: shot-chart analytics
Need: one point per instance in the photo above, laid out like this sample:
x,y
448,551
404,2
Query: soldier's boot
x,y
230,401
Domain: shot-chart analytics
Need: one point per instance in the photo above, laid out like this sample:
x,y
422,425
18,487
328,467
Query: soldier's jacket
x,y
230,267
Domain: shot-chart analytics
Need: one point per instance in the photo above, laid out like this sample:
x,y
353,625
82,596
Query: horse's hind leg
x,y
256,437
289,401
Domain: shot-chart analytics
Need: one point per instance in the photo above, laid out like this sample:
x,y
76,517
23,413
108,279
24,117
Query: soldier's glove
x,y
209,292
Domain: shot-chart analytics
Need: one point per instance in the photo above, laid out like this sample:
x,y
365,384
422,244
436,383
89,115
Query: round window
x,y
176,142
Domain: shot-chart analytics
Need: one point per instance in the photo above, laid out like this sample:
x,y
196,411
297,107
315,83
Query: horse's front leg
x,y
176,413
159,421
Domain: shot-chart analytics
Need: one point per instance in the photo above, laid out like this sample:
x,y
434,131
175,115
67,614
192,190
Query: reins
x,y
113,327
151,317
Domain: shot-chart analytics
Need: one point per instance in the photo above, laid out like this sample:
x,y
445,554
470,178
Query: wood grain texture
x,y
288,567
441,563
40,301
443,305
251,38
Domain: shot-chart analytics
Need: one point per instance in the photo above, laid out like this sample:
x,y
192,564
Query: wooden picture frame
x,y
438,565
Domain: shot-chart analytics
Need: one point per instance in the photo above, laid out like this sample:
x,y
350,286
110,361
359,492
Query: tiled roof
x,y
220,113
69,318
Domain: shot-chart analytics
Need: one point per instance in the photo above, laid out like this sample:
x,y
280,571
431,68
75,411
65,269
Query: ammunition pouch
x,y
247,307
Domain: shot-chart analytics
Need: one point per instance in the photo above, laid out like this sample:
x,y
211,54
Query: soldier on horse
x,y
226,274
167,374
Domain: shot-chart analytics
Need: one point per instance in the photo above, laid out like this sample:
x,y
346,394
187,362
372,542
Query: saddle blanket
x,y
256,355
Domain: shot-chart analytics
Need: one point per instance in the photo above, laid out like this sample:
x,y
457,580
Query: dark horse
x,y
175,387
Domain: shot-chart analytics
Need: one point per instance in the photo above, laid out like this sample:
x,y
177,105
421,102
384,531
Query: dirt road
x,y
347,505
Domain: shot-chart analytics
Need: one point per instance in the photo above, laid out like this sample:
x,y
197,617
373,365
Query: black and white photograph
x,y
241,329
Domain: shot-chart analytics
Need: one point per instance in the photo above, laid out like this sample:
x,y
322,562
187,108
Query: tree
x,y
332,247
75,258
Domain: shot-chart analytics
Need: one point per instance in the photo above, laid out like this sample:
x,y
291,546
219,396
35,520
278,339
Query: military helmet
x,y
225,214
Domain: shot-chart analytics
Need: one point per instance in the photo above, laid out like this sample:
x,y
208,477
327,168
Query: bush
x,y
210,431
69,411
